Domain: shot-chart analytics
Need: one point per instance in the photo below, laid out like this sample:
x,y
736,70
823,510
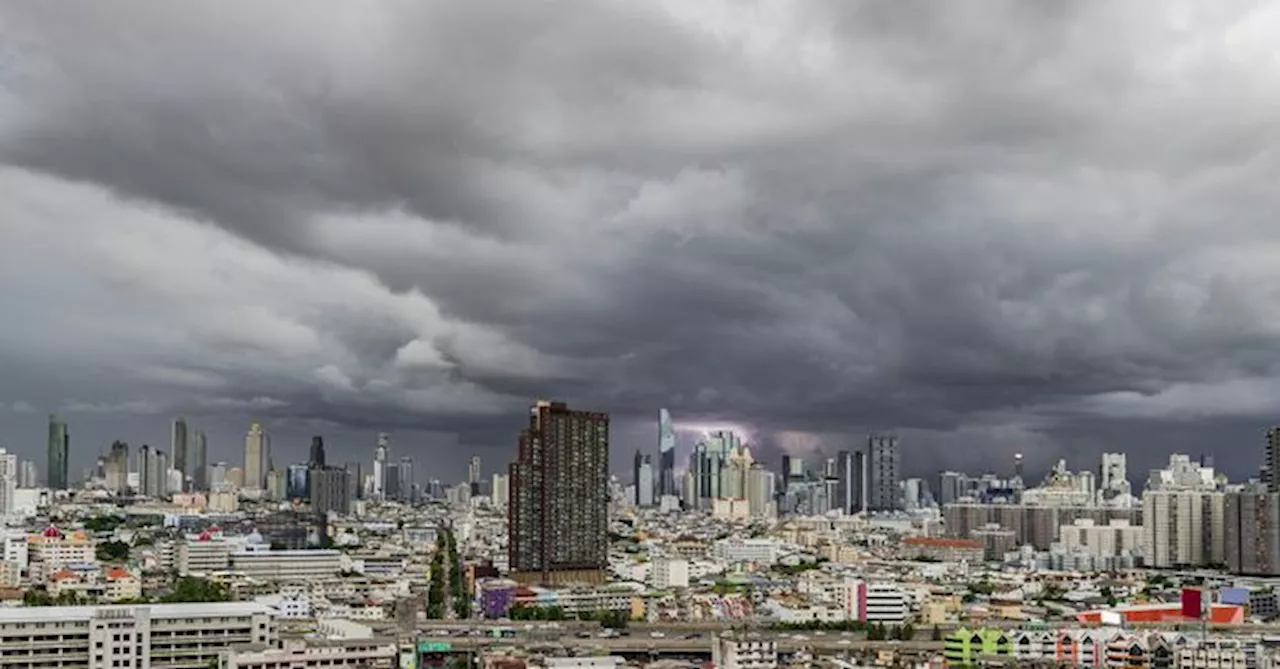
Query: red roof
x,y
214,529
205,536
114,573
52,532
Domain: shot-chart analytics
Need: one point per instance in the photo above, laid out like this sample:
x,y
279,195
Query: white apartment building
x,y
667,573
760,551
8,483
1183,528
366,654
873,602
203,555
743,652
1110,540
286,565
161,636
51,550
292,602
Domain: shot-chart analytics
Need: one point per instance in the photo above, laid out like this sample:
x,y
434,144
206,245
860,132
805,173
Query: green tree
x,y
190,589
112,551
103,523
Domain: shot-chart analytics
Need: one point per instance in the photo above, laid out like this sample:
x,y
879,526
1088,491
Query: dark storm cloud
x,y
980,225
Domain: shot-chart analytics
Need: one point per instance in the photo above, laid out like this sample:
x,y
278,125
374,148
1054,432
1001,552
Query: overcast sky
x,y
989,227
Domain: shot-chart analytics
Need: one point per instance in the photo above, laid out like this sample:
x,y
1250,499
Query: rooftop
x,y
49,614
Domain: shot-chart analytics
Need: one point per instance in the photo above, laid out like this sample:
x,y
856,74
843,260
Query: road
x,y
640,644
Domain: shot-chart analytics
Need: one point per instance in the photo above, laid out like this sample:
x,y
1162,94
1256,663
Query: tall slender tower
x,y
59,449
380,466
178,446
559,501
256,456
200,462
884,464
1271,461
666,454
316,460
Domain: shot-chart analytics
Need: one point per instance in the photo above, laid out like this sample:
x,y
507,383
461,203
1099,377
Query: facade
x,y
135,637
1032,525
286,565
558,514
944,550
1183,528
849,483
179,447
8,482
297,482
57,454
1271,460
203,554
1116,537
51,550
117,468
330,491
667,573
1251,533
257,456
316,459
353,653
200,462
666,455
884,465
380,466
500,490
743,652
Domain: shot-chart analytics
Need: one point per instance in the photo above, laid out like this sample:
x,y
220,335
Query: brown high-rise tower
x,y
559,501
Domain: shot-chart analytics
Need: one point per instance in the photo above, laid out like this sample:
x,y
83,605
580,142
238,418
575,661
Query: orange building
x,y
1219,614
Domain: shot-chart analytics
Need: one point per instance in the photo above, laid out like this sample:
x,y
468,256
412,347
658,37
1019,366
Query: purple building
x,y
496,600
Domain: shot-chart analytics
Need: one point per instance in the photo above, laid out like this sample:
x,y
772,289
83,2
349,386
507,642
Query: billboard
x,y
1192,603
1234,596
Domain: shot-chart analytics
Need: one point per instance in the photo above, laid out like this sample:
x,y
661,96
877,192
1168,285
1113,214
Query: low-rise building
x,y
943,550
730,651
667,573
327,653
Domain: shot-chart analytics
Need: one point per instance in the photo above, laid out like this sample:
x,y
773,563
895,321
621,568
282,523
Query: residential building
x,y
741,651
159,636
327,653
667,573
51,550
884,465
943,550
285,565
558,514
330,491
203,554
8,483
117,468
500,490
1183,528
1251,533
736,549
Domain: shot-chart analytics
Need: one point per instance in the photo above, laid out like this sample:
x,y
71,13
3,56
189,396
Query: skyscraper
x,y
380,466
355,479
257,458
8,482
884,476
317,453
473,475
666,455
330,491
635,475
406,478
29,475
218,473
846,483
117,468
1271,461
59,449
391,481
558,512
297,481
645,483
178,446
200,462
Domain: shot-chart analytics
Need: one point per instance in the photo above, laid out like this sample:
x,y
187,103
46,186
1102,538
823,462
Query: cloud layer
x,y
1000,227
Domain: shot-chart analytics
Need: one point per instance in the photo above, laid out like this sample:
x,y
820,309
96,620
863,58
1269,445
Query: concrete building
x,y
57,454
1183,528
500,490
51,550
1115,538
285,565
558,515
1251,533
316,653
667,573
884,474
160,636
8,483
330,491
203,554
736,651
257,458
758,551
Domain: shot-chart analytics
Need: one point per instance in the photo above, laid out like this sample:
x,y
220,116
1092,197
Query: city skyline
x,y
997,250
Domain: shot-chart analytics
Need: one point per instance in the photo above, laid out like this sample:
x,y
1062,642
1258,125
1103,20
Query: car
x,y
819,633
657,635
